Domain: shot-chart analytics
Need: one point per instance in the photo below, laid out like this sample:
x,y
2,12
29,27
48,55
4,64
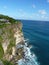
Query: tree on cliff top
x,y
11,20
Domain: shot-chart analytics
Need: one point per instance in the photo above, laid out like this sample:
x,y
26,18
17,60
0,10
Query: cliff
x,y
10,36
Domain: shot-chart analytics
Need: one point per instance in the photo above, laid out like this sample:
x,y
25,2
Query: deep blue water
x,y
38,34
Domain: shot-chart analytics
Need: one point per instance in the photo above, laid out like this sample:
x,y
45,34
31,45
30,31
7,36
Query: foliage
x,y
7,62
7,33
1,51
11,20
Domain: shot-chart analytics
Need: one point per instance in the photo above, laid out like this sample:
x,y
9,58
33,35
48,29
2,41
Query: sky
x,y
25,9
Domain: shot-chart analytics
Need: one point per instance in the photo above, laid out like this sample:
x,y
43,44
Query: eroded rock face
x,y
11,35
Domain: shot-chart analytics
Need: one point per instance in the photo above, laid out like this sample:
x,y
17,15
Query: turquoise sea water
x,y
38,34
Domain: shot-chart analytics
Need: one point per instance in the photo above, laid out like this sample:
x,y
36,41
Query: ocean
x,y
37,33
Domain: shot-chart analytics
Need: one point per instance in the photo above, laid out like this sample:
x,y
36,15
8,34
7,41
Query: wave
x,y
29,58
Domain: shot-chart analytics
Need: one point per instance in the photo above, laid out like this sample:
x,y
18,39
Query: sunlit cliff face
x,y
11,35
19,36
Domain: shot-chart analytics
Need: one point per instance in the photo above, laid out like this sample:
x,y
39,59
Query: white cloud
x,y
20,10
5,7
33,6
44,17
21,13
43,12
48,1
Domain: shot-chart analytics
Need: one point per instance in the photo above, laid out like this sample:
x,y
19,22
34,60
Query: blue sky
x,y
25,9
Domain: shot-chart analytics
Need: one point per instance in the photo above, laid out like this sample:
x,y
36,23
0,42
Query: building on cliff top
x,y
5,20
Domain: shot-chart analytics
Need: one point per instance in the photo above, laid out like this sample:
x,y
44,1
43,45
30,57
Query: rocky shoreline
x,y
11,38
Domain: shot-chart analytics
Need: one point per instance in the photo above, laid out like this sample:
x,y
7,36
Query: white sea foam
x,y
28,57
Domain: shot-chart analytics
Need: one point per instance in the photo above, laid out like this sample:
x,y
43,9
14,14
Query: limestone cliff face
x,y
10,36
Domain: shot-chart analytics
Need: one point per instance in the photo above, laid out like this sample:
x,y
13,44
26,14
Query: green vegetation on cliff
x,y
1,51
5,62
8,26
11,20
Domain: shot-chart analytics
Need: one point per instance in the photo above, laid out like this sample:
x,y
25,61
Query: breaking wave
x,y
28,57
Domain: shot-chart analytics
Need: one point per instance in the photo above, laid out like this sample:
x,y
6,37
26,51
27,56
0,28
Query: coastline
x,y
11,35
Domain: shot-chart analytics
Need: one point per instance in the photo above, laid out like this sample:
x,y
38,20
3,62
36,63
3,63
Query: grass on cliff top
x,y
7,18
11,20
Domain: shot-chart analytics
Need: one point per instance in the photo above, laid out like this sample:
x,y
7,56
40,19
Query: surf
x,y
29,58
